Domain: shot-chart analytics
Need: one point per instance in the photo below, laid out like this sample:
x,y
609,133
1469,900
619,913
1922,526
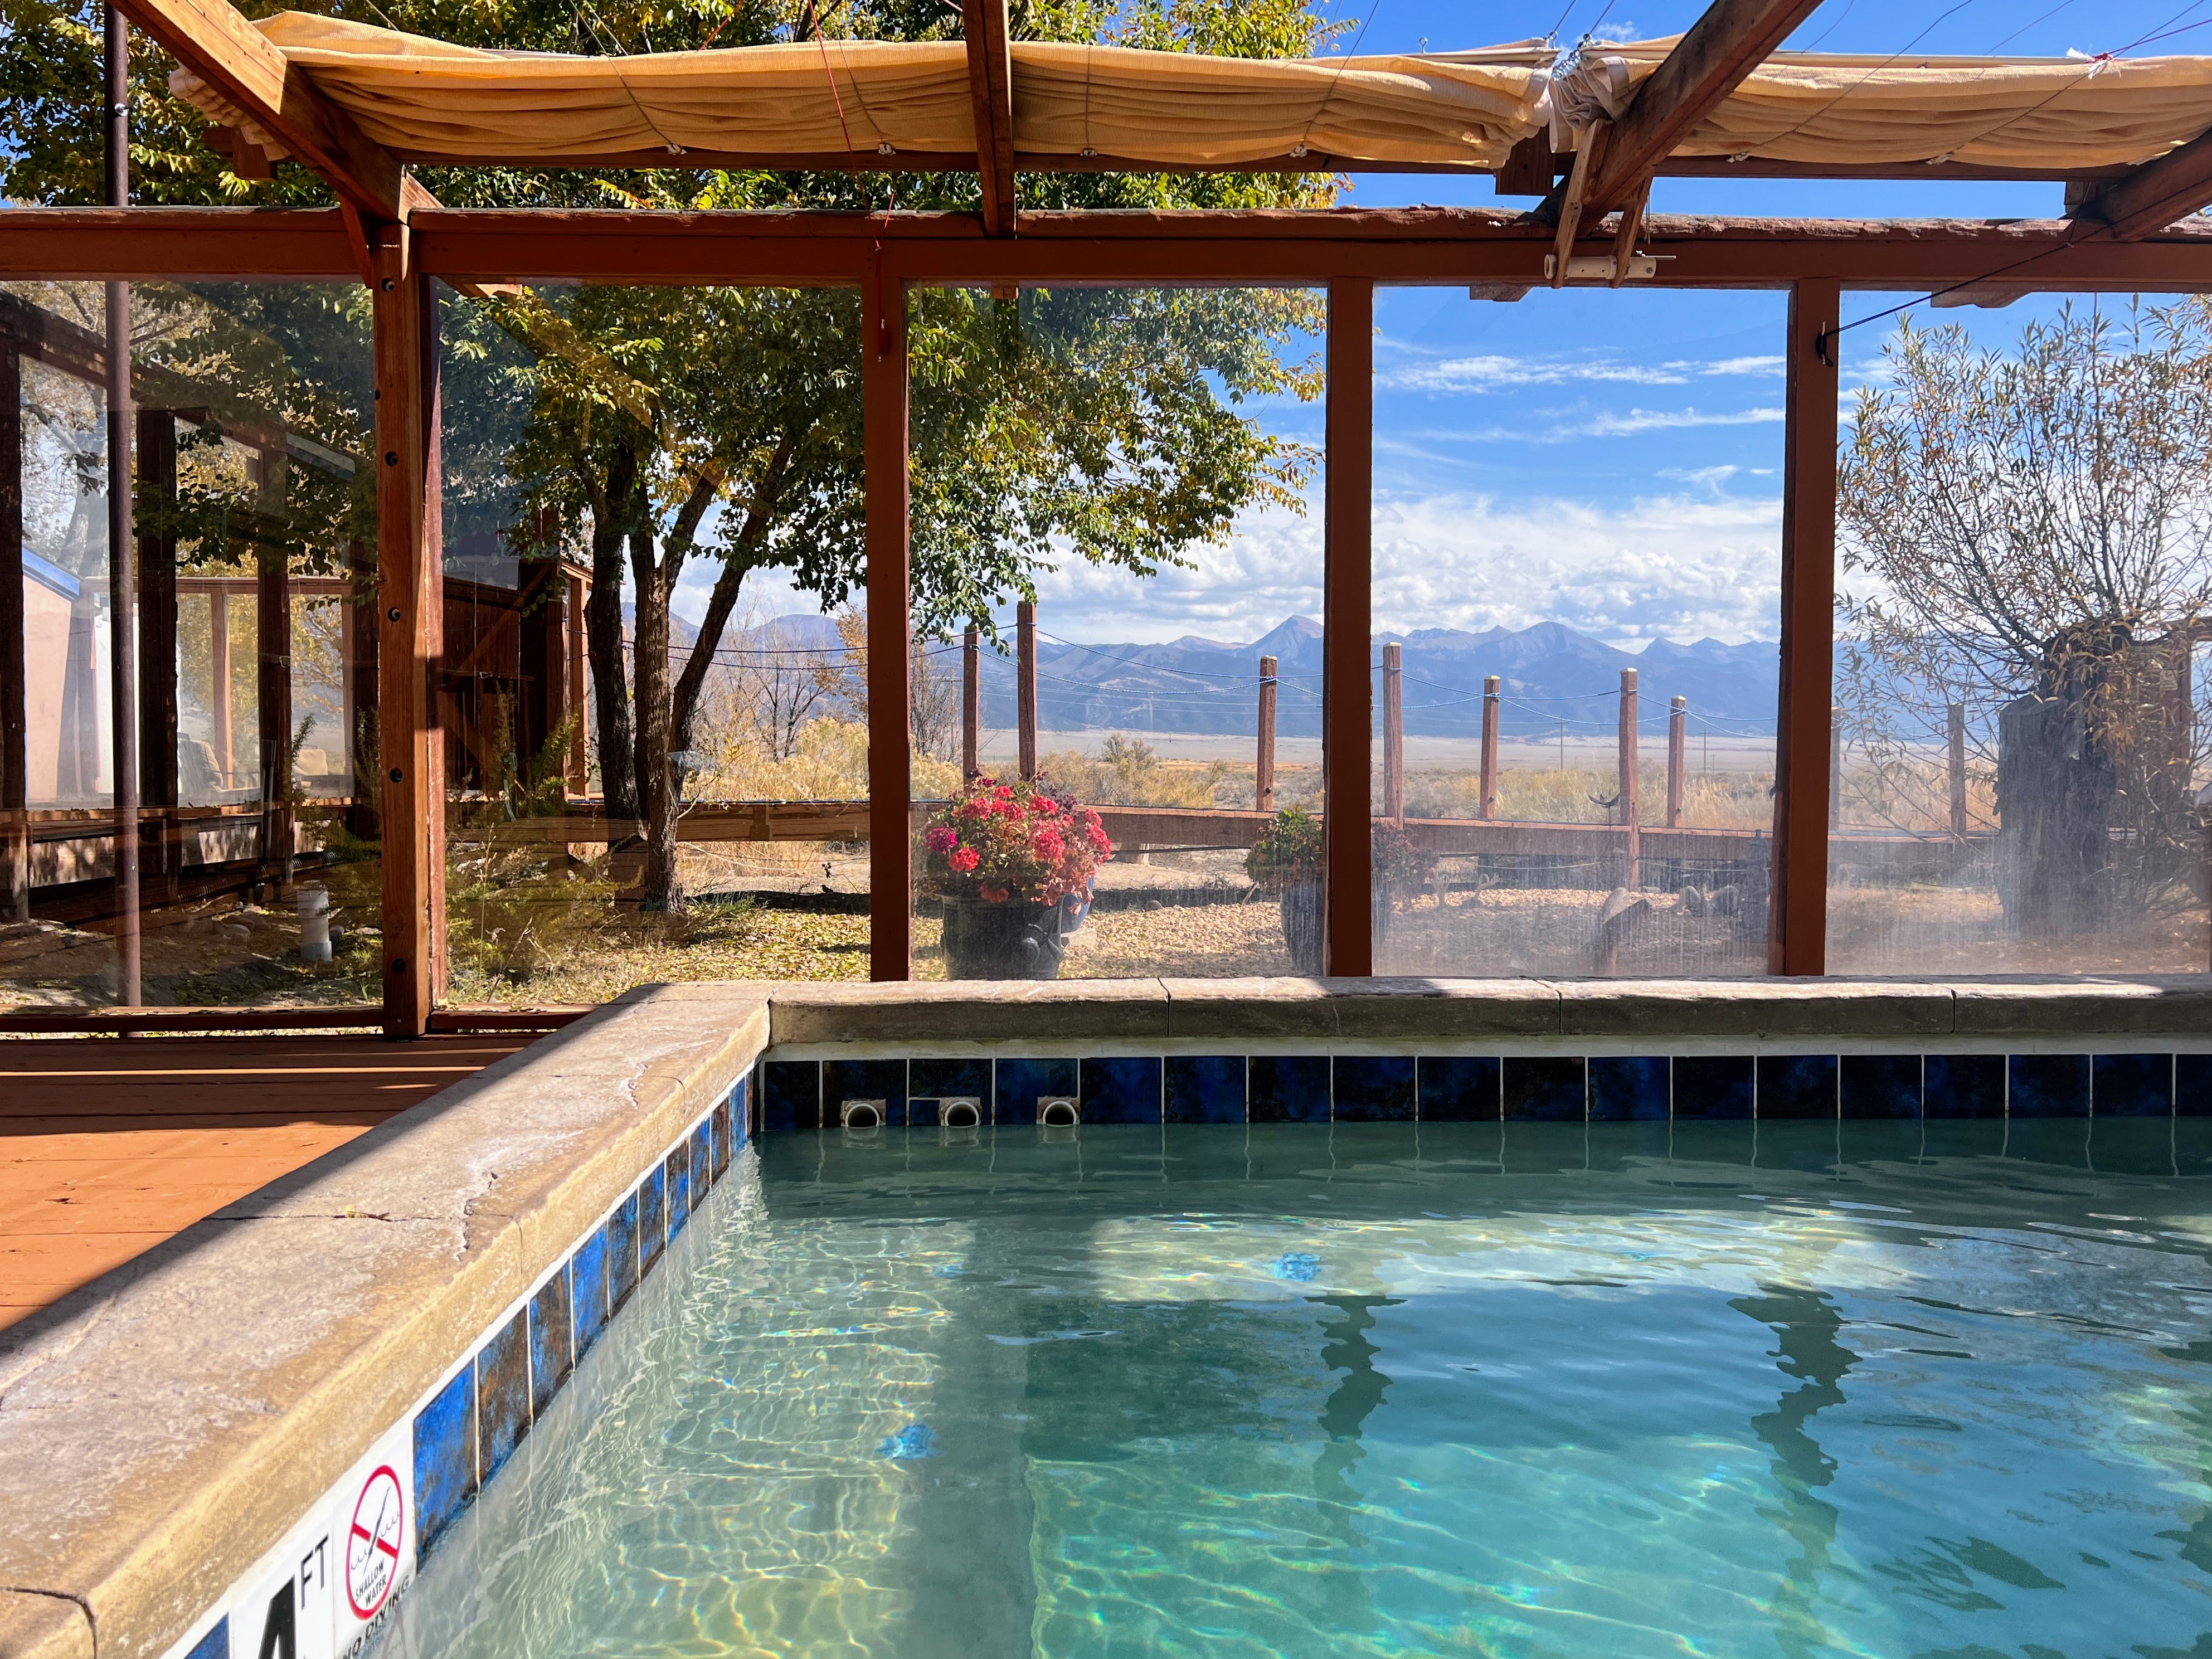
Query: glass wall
x,y
254,533
2024,512
652,691
1577,527
1117,597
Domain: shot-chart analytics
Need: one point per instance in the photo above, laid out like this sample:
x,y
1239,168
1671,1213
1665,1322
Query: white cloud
x,y
1675,567
1497,372
1666,567
1659,420
1710,478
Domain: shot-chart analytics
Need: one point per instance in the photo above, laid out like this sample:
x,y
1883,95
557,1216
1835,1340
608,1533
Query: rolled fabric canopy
x,y
430,102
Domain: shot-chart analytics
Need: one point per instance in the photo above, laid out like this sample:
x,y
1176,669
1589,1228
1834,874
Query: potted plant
x,y
1286,860
1013,863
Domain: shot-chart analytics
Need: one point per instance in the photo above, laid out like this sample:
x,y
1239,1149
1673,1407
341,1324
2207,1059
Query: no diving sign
x,y
372,1546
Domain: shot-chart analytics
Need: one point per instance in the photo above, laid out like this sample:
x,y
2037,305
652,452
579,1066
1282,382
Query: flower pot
x,y
1011,940
1302,923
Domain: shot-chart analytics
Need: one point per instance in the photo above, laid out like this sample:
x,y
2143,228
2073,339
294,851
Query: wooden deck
x,y
109,1146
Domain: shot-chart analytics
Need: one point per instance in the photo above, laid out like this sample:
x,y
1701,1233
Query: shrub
x,y
1020,841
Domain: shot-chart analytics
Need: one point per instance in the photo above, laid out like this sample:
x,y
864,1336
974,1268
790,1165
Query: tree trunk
x,y
603,630
2058,786
659,889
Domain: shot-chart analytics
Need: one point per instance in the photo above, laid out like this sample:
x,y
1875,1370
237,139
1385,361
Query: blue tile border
x,y
1543,1088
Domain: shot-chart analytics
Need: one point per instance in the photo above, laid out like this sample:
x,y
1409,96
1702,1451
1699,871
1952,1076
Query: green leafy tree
x,y
658,427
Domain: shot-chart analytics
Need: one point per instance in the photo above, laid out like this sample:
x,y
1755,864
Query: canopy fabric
x,y
429,101
2059,114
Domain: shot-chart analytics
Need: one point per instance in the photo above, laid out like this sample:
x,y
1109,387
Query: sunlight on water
x,y
1528,1391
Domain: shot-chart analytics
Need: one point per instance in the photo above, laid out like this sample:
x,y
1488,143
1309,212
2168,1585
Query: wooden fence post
x,y
1632,850
1347,622
272,639
410,625
1797,917
1394,734
971,704
1264,774
1488,806
1678,731
890,843
1957,722
1025,701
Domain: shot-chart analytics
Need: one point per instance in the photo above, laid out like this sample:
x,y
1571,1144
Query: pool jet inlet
x,y
861,1115
960,1112
1058,1111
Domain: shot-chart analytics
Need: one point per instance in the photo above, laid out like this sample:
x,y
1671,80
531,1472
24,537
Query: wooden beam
x,y
2155,195
991,84
884,417
211,38
1798,917
411,636
1711,59
1348,624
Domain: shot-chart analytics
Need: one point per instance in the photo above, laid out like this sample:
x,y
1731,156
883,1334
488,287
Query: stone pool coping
x,y
162,1428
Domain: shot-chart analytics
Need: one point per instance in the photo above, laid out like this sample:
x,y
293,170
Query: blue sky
x,y
1607,460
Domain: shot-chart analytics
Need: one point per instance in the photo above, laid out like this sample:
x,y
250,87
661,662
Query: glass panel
x,y
708,441
1577,525
253,505
2023,516
1118,490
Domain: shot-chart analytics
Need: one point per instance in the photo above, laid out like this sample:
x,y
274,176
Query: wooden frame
x,y
389,233
1347,717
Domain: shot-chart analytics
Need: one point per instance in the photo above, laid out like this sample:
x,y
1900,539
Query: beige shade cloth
x,y
425,98
2056,114
429,101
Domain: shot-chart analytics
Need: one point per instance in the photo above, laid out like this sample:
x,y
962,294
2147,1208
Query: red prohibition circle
x,y
372,1559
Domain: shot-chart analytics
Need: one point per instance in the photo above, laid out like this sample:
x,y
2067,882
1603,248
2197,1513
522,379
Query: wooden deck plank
x,y
109,1145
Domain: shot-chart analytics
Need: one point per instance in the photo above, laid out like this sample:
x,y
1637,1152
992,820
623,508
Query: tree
x,y
2031,536
659,427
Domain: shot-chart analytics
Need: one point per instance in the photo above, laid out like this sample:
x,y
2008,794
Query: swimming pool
x,y
1610,1389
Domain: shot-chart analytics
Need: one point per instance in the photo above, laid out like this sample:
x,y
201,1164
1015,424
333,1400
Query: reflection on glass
x,y
1118,587
253,512
654,691
1576,534
2025,531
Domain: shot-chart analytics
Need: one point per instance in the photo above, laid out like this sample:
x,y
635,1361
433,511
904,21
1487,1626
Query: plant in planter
x,y
1287,861
1013,863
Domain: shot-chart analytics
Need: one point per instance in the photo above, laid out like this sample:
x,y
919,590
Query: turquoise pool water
x,y
1471,1389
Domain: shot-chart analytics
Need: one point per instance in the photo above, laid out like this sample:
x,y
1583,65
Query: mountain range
x,y
1549,672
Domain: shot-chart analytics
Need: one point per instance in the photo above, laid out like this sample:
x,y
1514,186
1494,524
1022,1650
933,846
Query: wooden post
x,y
122,626
1632,850
122,540
1678,731
157,608
219,676
1263,776
1394,734
971,704
885,411
410,636
1797,917
1488,808
1835,769
15,756
156,534
579,776
272,628
1348,621
1957,723
1025,701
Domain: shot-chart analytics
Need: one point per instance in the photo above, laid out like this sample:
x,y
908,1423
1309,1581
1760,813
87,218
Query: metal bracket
x,y
1601,268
